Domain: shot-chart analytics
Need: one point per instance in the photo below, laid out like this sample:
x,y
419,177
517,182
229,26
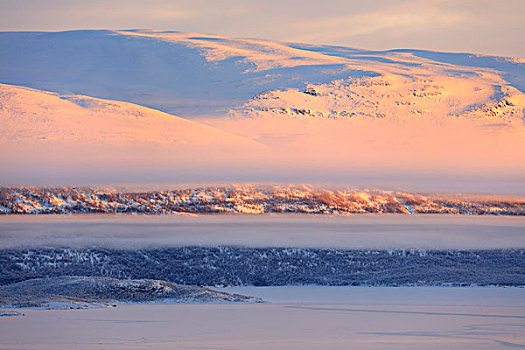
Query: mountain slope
x,y
274,112
395,97
30,115
48,137
173,74
192,74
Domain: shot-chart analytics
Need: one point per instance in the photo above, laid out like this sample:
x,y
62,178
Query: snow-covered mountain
x,y
114,106
185,74
191,74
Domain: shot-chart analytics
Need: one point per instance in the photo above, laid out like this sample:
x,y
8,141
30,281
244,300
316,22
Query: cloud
x,y
450,25
405,19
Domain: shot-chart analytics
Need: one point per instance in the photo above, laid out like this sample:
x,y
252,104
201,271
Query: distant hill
x,y
247,200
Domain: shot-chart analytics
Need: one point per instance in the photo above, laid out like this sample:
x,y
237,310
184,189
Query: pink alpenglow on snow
x,y
222,109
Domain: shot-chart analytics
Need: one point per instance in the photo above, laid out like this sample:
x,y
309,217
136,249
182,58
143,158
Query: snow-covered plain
x,y
293,318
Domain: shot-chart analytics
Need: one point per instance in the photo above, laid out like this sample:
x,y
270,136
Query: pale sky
x,y
479,26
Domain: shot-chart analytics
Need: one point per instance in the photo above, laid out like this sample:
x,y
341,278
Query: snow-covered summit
x,y
190,74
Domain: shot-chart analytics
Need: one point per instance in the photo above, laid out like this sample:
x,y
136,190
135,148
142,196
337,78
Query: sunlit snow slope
x,y
44,132
30,115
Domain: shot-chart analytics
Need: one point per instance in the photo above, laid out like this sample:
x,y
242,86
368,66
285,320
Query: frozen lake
x,y
309,317
362,231
293,318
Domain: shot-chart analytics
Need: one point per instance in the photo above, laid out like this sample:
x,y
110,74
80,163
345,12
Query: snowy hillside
x,y
44,132
394,97
260,110
29,115
192,74
185,74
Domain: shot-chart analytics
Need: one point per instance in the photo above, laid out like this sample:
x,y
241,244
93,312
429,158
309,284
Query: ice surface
x,y
295,318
